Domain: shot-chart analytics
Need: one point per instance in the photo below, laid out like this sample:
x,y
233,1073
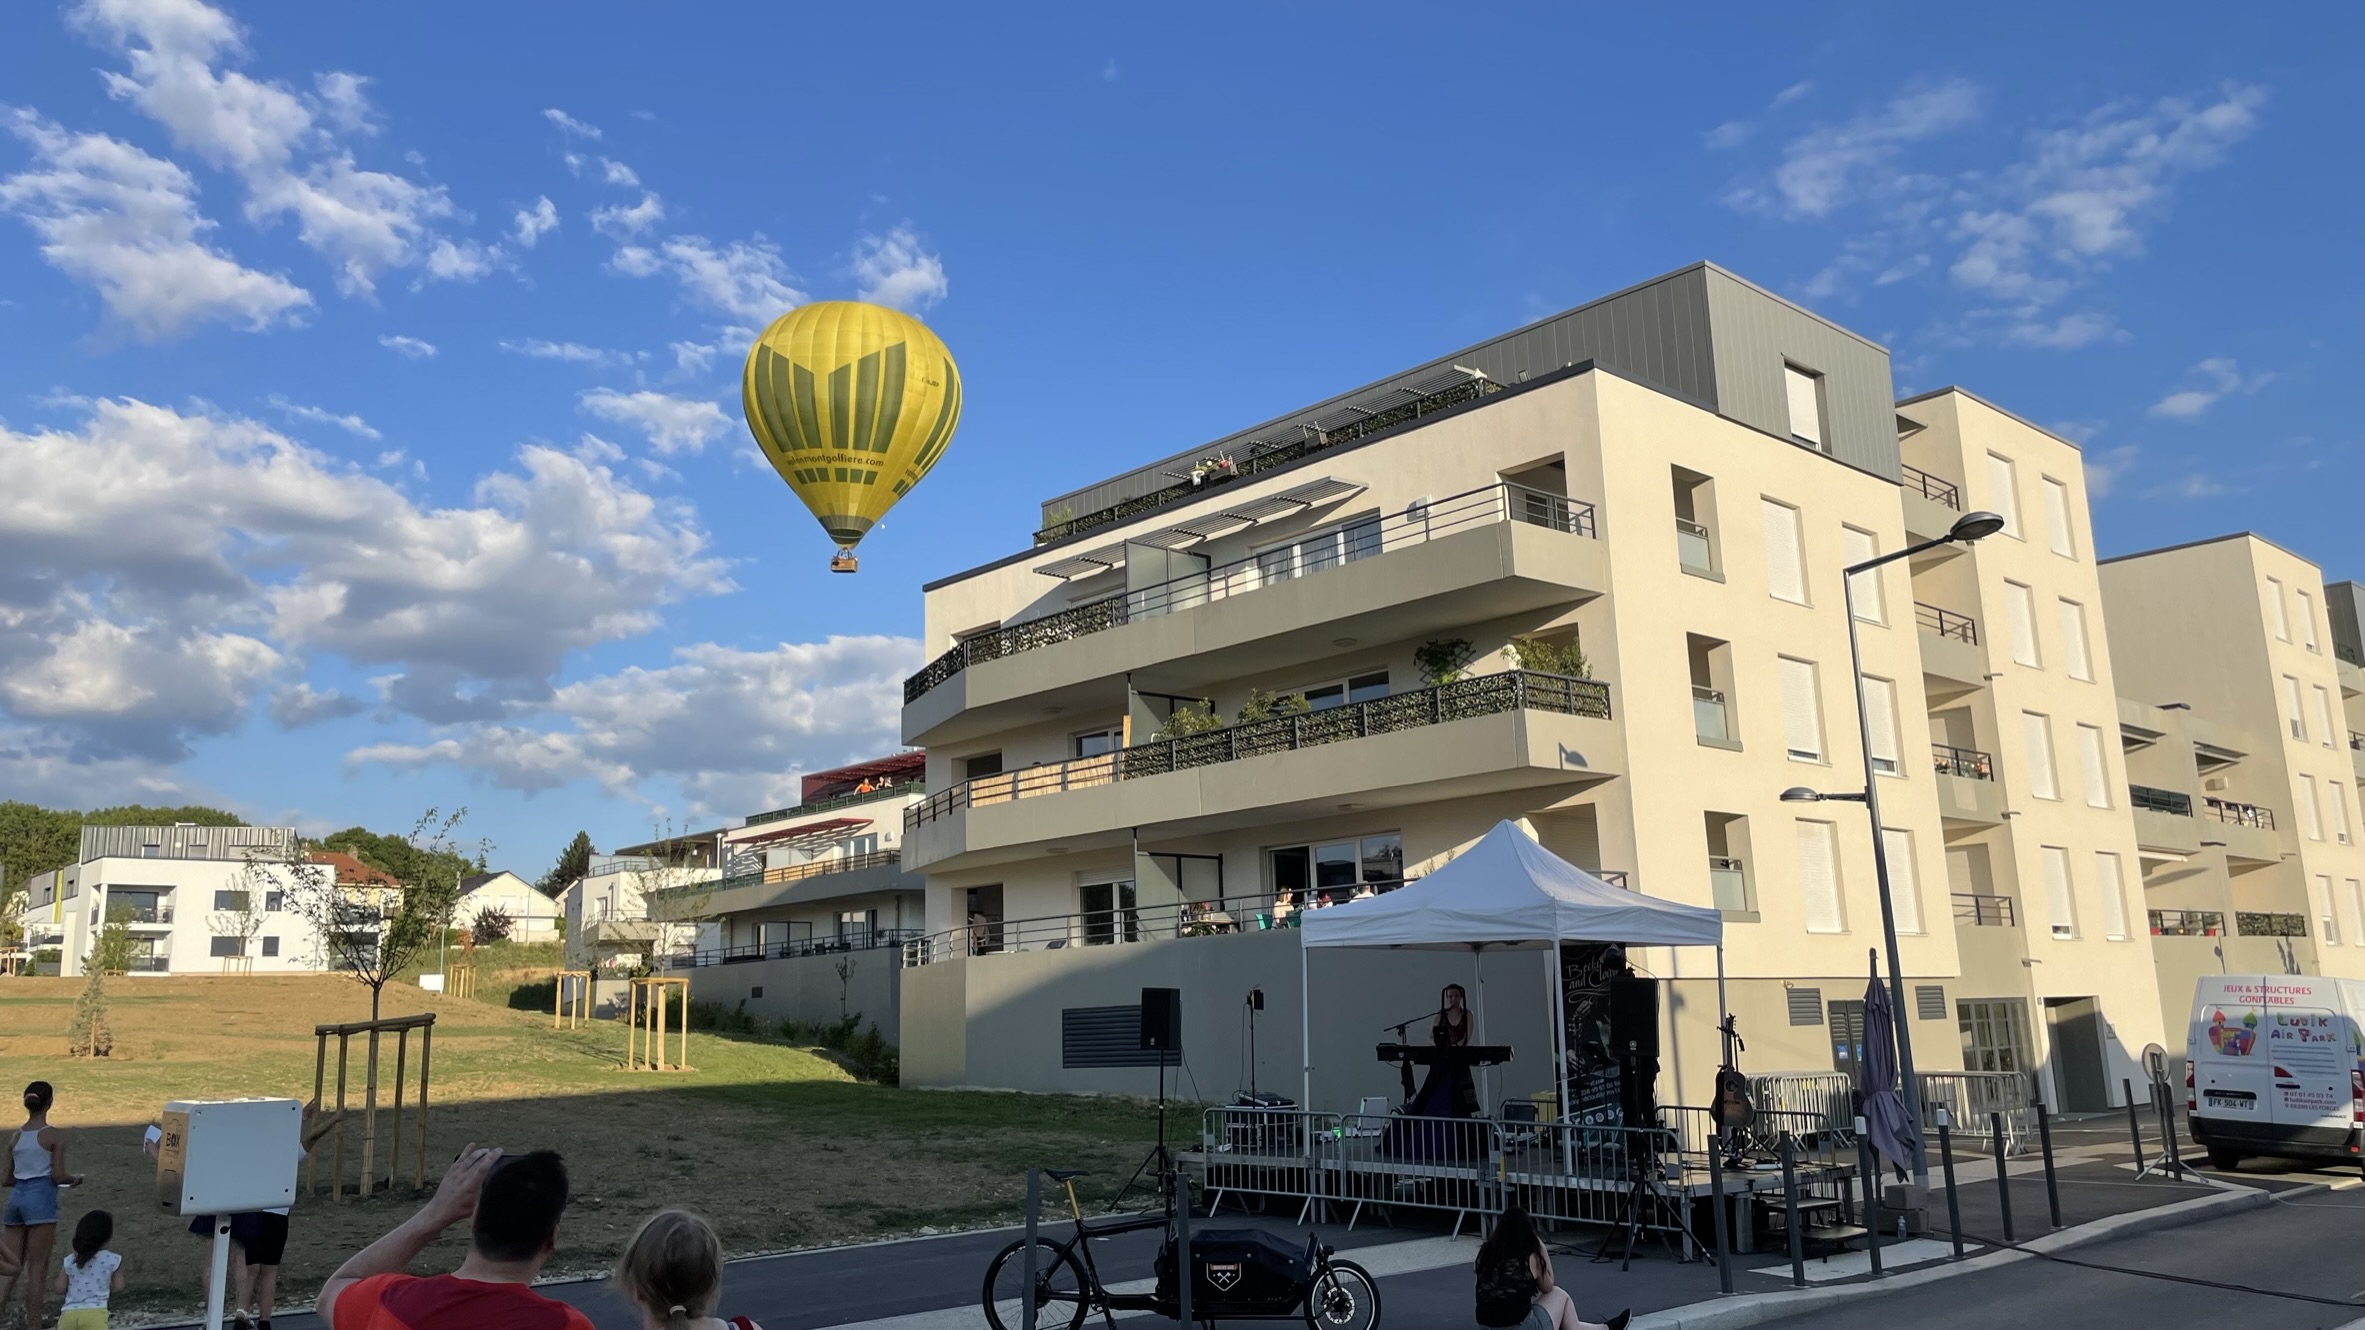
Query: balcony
x,y
1931,504
1967,788
2187,923
142,916
1728,884
148,965
2245,831
820,880
1692,549
1709,718
1953,662
2241,814
1973,910
2249,924
1487,734
2148,799
1496,552
875,939
846,800
2164,822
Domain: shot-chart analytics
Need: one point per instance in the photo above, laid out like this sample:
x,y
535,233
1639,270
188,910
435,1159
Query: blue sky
x,y
368,373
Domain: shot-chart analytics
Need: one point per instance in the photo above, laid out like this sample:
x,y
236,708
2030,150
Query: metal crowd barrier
x,y
1971,1095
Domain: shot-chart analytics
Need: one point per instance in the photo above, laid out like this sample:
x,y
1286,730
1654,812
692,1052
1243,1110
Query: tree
x,y
12,928
34,840
574,864
492,924
406,858
676,894
87,1036
374,933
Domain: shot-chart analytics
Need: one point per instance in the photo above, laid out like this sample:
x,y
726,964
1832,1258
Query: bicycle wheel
x,y
1343,1298
1059,1282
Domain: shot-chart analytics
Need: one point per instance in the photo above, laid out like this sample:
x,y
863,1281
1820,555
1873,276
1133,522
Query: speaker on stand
x,y
1161,1033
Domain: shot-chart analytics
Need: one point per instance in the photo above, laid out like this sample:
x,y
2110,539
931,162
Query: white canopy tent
x,y
1505,893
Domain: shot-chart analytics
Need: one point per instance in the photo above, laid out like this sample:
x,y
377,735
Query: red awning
x,y
826,827
902,768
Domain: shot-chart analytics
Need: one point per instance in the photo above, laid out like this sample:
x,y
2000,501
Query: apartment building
x,y
195,900
642,902
2257,860
2345,604
1586,575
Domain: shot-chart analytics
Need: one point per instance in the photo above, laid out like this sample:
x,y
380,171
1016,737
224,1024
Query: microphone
x,y
1399,1026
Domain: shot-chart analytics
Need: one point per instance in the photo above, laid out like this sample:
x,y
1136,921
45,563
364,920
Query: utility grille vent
x,y
1929,1002
1107,1037
1806,1006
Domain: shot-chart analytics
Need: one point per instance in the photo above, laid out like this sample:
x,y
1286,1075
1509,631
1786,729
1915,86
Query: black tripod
x,y
1159,1161
1642,1168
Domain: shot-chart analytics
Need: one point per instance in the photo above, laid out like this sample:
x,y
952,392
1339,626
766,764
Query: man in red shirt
x,y
514,1205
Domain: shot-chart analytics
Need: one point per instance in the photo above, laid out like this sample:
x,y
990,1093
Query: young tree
x,y
492,924
12,927
574,863
677,893
88,1035
374,933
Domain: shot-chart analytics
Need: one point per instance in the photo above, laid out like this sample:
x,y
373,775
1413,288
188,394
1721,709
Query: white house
x,y
534,917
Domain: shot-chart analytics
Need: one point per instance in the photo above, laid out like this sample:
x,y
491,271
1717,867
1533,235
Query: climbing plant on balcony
x,y
1548,657
1442,661
1185,721
1262,705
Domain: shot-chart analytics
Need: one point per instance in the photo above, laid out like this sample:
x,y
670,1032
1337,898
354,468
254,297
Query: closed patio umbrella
x,y
1885,1118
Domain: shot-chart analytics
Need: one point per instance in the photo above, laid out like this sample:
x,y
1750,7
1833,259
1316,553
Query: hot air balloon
x,y
851,404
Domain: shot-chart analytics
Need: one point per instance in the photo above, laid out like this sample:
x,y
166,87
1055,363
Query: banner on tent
x,y
1594,1082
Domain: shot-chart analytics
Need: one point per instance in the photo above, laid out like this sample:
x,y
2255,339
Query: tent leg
x,y
1486,1082
1724,1011
1553,982
1305,1031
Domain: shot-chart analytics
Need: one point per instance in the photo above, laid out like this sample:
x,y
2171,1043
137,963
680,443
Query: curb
x,y
1747,1309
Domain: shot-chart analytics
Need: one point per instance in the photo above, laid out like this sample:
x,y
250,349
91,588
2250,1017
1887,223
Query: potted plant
x,y
1212,470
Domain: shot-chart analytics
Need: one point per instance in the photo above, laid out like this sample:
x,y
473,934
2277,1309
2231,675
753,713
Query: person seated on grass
x,y
672,1274
1515,1286
513,1205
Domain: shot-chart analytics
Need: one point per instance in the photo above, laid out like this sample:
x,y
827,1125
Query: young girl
x,y
89,1275
672,1272
1515,1284
28,1226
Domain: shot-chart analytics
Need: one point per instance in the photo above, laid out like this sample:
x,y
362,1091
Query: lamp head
x,y
1974,526
1800,794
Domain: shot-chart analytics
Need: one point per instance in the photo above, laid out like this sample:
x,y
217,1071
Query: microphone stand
x,y
1404,1069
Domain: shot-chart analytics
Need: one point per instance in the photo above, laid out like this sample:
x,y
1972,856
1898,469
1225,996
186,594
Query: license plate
x,y
2241,1099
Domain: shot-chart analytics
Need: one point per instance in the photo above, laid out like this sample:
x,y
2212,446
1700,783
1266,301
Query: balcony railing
x,y
1463,699
2357,740
2343,651
1728,883
2160,801
845,800
1268,455
1946,623
1692,549
141,914
875,939
852,863
1969,763
1974,910
2187,923
2247,815
1932,488
147,965
1356,541
2270,925
1709,718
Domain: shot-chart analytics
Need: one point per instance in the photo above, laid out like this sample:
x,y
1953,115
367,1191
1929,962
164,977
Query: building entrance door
x,y
2076,1027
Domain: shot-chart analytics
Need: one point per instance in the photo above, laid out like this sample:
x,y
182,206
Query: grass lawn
x,y
776,1144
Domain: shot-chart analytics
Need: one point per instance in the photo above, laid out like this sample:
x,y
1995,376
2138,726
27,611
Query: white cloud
x,y
636,261
1108,72
1825,168
745,279
2104,469
732,728
574,352
536,222
354,425
297,705
2222,378
283,146
672,424
411,347
624,223
569,124
127,223
1734,133
617,173
895,271
158,569
693,357
2066,333
2191,486
462,261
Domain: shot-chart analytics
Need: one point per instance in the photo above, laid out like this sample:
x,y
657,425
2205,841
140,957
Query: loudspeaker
x,y
1634,1019
1161,1019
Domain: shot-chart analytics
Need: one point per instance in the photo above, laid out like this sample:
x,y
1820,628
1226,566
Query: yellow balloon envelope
x,y
852,404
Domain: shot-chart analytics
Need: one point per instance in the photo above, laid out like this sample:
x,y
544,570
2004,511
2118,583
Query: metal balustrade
x,y
2260,924
846,800
1930,487
875,939
2160,801
1692,547
1978,910
1946,623
1369,538
1710,720
1969,763
2187,923
2357,740
2241,814
852,863
1126,923
141,914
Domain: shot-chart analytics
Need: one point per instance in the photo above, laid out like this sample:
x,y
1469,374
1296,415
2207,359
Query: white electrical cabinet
x,y
227,1156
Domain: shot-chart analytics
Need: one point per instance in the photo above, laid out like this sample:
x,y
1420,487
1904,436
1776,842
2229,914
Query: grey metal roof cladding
x,y
185,841
1699,333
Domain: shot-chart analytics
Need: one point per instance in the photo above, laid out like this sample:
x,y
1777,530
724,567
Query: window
x,y
1864,588
855,927
2340,814
1338,870
2307,620
2020,607
2311,819
1786,574
1880,715
1093,743
2357,909
854,848
1818,878
1711,663
2112,888
1905,889
1323,549
228,946
270,946
1802,713
2057,531
2073,641
1728,868
274,901
233,901
2092,767
1109,915
2037,731
1995,1034
2275,614
1361,688
2331,933
771,935
1695,523
984,764
2060,908
2290,694
1806,404
2324,730
2004,493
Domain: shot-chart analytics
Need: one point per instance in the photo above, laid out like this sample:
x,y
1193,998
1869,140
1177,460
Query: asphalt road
x,y
2306,1243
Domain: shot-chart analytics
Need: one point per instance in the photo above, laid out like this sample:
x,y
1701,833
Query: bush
x,y
1185,721
714,1016
1566,658
1262,705
865,1052
539,996
492,924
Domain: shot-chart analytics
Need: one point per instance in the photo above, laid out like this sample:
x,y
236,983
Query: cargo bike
x,y
1238,1274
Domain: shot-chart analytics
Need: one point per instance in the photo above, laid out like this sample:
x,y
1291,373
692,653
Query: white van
x,y
2275,1065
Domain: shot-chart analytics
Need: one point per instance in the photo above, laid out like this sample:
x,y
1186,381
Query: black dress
x,y
1447,1091
1506,1290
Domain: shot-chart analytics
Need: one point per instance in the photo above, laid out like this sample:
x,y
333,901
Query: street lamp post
x,y
1967,529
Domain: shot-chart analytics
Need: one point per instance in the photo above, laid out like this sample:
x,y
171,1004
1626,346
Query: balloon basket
x,y
842,561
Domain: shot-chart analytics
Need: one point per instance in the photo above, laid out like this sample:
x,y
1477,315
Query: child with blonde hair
x,y
672,1273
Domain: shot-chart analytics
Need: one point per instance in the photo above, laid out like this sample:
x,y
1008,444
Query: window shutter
x,y
2340,815
1865,588
2037,731
2092,767
2057,899
2307,620
2113,890
2324,730
1818,878
2275,613
2291,718
1786,577
2057,517
1802,718
1905,886
1806,1005
2003,492
1880,710
1806,410
2021,604
2073,641
2324,909
2310,818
